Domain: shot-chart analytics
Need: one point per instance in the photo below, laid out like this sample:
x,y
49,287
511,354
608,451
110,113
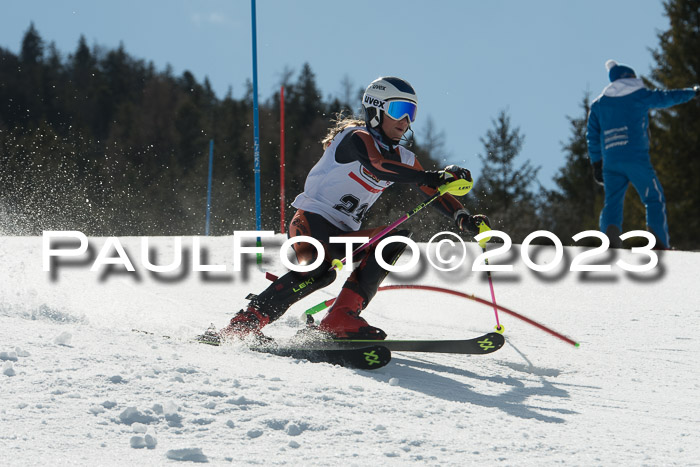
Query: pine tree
x,y
675,142
31,60
504,189
32,52
307,122
576,202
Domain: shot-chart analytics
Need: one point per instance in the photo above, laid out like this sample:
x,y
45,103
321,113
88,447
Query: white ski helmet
x,y
390,95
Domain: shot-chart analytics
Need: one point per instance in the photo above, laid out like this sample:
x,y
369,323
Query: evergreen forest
x,y
104,143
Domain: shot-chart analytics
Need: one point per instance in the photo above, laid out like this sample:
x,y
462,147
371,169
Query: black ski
x,y
485,344
363,353
369,356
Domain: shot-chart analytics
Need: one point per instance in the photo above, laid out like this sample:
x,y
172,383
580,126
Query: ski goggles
x,y
400,109
394,109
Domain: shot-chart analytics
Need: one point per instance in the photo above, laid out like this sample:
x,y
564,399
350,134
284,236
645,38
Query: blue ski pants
x,y
616,179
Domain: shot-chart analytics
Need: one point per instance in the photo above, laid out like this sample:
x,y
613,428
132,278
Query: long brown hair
x,y
341,123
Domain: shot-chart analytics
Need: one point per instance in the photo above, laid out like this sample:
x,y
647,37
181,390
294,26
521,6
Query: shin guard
x,y
369,275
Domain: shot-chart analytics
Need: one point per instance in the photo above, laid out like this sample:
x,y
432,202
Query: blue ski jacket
x,y
618,123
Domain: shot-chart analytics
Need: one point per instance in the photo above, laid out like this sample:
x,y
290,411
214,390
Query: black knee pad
x,y
292,287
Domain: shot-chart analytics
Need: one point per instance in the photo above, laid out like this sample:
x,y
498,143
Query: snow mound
x,y
188,455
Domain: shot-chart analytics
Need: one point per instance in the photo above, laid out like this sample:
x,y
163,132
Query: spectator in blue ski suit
x,y
618,146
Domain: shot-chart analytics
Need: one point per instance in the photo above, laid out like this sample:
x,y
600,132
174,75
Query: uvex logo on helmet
x,y
374,102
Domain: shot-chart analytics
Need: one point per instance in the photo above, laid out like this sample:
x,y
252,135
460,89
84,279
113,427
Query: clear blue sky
x,y
467,59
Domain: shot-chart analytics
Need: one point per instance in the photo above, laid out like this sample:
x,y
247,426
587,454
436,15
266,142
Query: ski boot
x,y
343,321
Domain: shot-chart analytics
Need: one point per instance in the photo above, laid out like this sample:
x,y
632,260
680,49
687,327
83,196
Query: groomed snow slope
x,y
78,386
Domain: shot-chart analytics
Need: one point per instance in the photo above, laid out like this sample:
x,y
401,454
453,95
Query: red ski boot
x,y
245,322
343,320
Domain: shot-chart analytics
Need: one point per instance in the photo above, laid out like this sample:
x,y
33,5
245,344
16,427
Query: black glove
x,y
470,224
598,172
696,88
448,174
455,172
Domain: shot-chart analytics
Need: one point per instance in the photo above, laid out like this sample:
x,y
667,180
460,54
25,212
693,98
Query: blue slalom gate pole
x,y
256,130
211,166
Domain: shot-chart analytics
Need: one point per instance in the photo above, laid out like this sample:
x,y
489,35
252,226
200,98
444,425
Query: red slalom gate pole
x,y
282,159
485,302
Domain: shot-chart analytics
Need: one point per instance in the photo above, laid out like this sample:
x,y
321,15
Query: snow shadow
x,y
434,380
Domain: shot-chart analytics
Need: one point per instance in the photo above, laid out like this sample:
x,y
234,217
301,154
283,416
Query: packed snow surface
x,y
79,386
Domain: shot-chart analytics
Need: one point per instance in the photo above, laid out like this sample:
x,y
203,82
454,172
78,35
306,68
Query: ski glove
x,y
455,172
696,88
598,172
470,224
448,174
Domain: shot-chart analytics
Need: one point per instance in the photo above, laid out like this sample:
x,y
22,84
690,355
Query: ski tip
x,y
372,358
577,345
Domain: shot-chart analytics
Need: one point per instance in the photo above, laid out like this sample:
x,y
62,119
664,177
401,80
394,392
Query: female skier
x,y
361,159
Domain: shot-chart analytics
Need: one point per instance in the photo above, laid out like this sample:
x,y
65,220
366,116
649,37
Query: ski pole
x,y
482,243
457,188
